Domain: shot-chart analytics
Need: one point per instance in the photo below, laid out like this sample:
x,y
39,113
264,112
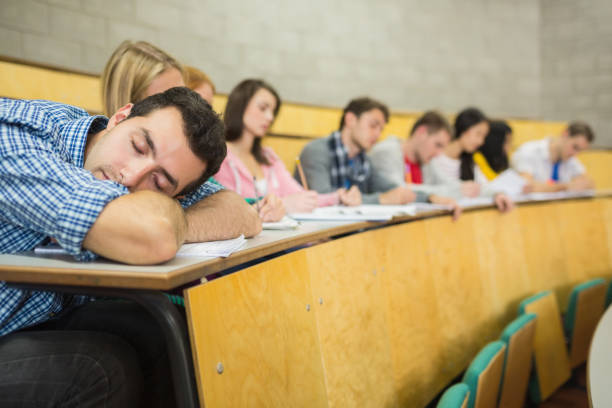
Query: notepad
x,y
213,248
508,182
286,223
366,212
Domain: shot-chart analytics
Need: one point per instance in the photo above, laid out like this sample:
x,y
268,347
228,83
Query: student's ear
x,y
119,116
421,130
350,118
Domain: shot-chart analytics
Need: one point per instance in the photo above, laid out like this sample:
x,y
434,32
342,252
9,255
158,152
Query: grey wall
x,y
577,63
411,54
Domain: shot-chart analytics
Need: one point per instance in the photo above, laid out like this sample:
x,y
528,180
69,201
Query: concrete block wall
x,y
577,63
413,55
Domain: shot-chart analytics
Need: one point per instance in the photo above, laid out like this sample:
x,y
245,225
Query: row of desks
x,y
145,284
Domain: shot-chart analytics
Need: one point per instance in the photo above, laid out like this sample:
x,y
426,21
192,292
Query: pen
x,y
301,171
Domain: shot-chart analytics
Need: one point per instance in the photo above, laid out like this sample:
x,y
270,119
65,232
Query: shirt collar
x,y
75,135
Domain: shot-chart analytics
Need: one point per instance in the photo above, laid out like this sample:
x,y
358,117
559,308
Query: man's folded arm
x,y
222,215
144,227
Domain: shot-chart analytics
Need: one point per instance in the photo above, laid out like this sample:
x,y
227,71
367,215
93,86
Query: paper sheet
x,y
212,248
286,223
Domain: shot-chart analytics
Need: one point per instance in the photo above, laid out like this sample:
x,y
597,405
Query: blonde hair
x,y
130,71
194,78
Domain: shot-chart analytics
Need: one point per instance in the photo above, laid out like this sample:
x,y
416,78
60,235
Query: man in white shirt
x,y
549,164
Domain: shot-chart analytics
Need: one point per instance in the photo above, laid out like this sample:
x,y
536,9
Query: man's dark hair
x,y
361,105
237,102
433,121
466,119
202,126
493,147
579,128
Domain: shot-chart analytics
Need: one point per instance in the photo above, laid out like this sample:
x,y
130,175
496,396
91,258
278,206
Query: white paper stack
x,y
213,249
286,223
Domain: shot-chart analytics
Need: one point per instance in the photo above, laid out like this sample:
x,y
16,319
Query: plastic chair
x,y
483,376
552,367
518,337
586,305
455,397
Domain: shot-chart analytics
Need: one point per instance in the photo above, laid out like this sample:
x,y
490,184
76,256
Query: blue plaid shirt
x,y
45,192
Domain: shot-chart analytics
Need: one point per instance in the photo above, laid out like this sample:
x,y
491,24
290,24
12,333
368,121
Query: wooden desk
x,y
142,284
600,363
444,242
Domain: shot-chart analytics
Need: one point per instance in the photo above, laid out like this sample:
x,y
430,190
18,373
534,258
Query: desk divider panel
x,y
543,247
411,310
256,325
583,229
394,313
350,312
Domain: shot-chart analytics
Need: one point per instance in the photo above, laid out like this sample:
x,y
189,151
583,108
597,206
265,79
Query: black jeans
x,y
107,353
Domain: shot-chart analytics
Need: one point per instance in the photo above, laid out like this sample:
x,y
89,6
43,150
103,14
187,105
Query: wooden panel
x,y
582,226
543,248
517,367
488,382
411,313
526,130
598,165
589,308
462,297
287,149
400,125
256,324
550,354
28,82
353,335
302,120
504,271
442,289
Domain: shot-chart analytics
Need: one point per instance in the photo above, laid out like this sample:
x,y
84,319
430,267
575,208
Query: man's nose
x,y
135,173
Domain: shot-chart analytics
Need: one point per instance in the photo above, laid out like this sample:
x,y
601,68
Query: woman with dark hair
x,y
492,156
455,166
254,171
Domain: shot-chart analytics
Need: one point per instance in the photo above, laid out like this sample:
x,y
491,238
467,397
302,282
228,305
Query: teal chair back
x,y
609,295
585,307
518,337
455,397
483,376
551,361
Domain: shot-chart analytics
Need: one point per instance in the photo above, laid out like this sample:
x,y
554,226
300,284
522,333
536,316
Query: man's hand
x,y
398,195
302,202
455,208
271,208
350,197
503,202
580,183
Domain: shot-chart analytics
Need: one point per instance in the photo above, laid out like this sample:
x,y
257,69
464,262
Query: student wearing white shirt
x,y
550,164
455,166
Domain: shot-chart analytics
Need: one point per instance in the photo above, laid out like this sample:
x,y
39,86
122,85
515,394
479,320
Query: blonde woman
x,y
199,82
137,70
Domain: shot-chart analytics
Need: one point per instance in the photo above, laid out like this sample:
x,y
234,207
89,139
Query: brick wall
x,y
577,63
413,55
